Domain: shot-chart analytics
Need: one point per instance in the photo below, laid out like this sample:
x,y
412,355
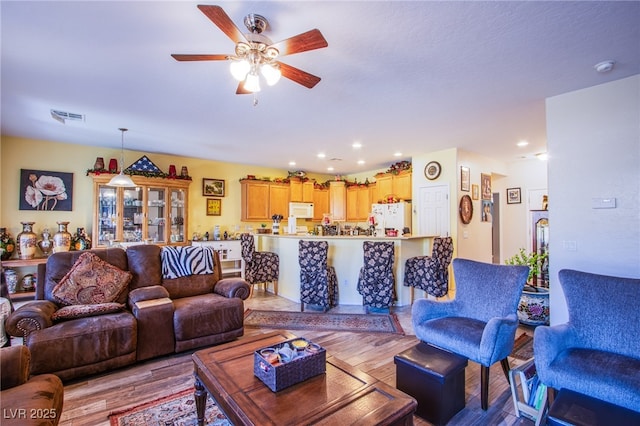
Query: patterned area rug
x,y
523,347
176,410
372,323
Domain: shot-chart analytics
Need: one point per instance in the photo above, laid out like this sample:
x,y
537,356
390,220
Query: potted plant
x,y
533,308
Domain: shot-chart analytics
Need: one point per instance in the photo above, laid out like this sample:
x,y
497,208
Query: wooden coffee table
x,y
343,395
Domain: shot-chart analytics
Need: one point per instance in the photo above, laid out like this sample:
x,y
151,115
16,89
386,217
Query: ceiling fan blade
x,y
299,76
241,90
222,21
310,40
197,57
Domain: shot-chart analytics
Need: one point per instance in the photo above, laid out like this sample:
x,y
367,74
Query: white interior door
x,y
433,210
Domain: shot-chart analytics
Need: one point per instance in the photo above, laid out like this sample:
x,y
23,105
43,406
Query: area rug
x,y
177,410
372,323
523,347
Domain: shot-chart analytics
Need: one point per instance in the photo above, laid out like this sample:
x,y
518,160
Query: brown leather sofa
x,y
24,400
162,316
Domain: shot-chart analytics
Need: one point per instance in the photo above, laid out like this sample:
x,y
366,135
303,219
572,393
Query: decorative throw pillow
x,y
91,280
80,311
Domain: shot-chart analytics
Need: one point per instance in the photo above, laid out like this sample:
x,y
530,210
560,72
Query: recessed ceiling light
x,y
543,156
356,145
360,162
321,155
397,154
522,143
292,163
330,169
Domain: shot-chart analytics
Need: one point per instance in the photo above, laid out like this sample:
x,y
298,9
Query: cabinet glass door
x,y
156,215
133,216
107,215
178,202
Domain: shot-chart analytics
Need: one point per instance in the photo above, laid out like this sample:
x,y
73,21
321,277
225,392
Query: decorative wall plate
x,y
432,170
466,209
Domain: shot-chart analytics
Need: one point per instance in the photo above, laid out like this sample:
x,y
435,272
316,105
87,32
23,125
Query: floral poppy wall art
x,y
45,190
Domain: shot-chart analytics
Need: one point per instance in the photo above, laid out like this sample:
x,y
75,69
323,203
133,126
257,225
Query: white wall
x,y
593,140
530,175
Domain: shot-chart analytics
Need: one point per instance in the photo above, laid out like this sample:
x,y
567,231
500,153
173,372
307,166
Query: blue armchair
x,y
597,352
480,323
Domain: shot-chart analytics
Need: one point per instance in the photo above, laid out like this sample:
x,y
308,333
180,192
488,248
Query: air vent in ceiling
x,y
63,116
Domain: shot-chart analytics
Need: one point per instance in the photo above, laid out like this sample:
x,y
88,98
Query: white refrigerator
x,y
393,215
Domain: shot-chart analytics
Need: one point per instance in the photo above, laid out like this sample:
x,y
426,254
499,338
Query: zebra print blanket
x,y
182,261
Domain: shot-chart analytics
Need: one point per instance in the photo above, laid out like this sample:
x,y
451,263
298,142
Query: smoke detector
x,y
604,66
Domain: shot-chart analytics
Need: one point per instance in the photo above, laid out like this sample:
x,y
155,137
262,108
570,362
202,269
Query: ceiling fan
x,y
256,54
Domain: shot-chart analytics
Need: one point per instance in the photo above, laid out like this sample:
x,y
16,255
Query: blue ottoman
x,y
573,408
435,378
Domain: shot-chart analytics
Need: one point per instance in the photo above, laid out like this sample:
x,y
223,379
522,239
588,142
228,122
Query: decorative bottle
x,y
80,240
62,238
46,243
7,244
27,241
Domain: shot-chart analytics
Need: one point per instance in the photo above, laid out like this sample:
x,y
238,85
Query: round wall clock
x,y
432,170
466,209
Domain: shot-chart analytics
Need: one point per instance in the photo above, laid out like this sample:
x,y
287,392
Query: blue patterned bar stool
x,y
430,273
318,281
261,267
376,282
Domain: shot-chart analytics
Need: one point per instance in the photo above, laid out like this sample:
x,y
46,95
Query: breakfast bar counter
x,y
346,256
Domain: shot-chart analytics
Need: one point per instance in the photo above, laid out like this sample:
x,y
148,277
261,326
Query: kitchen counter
x,y
346,256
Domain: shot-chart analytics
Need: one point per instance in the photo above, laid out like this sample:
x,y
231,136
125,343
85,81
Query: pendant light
x,y
121,179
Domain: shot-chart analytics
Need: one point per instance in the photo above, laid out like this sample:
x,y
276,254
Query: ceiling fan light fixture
x,y
271,73
252,82
239,69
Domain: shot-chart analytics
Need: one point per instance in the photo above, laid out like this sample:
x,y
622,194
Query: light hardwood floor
x,y
89,401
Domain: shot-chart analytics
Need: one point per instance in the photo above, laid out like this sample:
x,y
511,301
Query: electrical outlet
x,y
569,246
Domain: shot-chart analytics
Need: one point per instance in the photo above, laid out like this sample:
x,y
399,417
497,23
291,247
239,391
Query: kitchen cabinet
x,y
230,253
279,199
155,210
300,191
397,185
358,203
255,200
338,200
262,199
320,203
402,185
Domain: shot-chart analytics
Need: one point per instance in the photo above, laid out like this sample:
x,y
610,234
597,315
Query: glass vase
x,y
81,240
27,241
62,238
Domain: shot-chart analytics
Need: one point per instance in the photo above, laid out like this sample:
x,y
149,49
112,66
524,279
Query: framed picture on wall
x,y
465,178
214,207
485,186
212,187
513,196
45,190
475,192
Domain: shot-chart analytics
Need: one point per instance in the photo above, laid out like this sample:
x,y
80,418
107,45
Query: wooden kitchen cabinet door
x,y
320,203
279,200
255,200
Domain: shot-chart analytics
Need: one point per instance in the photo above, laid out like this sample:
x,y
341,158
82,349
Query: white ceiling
x,y
410,76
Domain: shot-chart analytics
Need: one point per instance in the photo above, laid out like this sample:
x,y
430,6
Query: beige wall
x,y
18,153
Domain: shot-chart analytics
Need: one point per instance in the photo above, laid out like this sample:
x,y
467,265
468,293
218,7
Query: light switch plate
x,y
603,203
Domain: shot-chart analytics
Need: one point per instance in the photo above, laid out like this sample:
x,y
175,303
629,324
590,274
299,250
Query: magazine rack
x,y
529,394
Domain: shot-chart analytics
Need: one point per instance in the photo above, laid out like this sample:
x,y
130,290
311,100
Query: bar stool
x,y
430,273
376,282
261,267
318,280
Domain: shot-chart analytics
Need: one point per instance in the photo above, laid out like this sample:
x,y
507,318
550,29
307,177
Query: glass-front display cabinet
x,y
154,212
